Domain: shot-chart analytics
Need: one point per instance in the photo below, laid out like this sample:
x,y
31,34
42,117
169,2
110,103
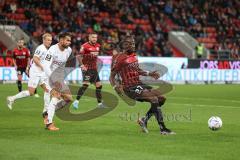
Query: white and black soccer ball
x,y
215,123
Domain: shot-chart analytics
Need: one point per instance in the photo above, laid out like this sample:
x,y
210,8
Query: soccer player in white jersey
x,y
54,67
36,74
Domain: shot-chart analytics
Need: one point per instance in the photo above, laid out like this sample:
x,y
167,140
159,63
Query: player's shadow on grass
x,y
110,100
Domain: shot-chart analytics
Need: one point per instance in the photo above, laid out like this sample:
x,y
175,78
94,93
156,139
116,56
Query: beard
x,y
65,46
130,50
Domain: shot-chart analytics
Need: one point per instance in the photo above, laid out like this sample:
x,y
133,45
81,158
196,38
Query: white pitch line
x,y
206,99
204,105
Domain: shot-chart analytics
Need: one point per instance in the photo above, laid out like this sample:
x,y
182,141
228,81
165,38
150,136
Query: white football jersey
x,y
41,53
55,60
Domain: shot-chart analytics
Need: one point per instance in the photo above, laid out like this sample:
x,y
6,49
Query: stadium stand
x,y
217,27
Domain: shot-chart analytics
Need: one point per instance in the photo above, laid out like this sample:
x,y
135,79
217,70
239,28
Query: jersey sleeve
x,y
38,52
82,50
14,54
116,63
28,53
47,62
70,51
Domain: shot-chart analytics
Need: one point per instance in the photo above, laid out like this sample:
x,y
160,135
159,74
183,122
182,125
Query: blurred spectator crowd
x,y
215,23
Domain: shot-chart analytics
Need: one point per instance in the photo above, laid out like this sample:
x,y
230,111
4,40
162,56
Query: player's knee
x,y
55,94
85,86
31,93
19,77
161,100
99,87
98,84
153,99
31,90
46,90
69,98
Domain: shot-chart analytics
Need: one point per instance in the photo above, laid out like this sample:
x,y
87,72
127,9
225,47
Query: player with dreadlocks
x,y
127,67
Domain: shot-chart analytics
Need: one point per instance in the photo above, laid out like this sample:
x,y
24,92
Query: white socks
x,y
46,101
21,95
51,109
53,106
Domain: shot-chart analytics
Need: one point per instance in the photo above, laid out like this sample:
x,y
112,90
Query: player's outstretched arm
x,y
28,59
80,58
14,60
36,60
153,74
114,84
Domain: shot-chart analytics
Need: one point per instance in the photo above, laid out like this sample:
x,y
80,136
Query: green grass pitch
x,y
116,135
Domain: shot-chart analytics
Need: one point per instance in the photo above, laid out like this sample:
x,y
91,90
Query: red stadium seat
x,y
20,10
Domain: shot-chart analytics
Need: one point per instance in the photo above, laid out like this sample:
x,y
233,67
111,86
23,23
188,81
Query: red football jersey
x,y
21,57
90,53
128,68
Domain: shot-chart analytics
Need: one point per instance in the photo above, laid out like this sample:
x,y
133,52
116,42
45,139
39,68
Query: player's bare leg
x,y
161,98
22,94
153,98
27,93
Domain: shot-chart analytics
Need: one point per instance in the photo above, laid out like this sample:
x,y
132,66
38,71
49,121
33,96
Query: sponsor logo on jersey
x,y
59,63
95,53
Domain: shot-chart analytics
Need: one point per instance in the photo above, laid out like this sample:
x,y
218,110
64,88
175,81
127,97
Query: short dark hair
x,y
20,39
64,35
91,33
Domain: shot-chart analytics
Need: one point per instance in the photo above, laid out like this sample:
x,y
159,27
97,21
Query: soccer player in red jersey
x,y
88,62
21,61
127,67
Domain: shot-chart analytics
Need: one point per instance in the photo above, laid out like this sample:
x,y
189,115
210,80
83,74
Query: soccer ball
x,y
214,123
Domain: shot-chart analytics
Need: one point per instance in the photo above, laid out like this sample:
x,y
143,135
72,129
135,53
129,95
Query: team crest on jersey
x,y
48,57
82,49
24,53
131,59
97,48
37,52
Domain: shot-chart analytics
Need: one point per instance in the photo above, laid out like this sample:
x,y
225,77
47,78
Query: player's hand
x,y
83,67
154,74
27,71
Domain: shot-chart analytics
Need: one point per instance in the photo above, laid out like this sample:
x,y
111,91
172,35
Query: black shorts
x,y
20,71
135,92
91,76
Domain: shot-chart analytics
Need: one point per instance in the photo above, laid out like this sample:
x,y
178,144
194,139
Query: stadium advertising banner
x,y
6,61
214,64
199,75
177,71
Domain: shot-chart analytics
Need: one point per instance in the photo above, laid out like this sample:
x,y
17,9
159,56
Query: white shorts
x,y
36,79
